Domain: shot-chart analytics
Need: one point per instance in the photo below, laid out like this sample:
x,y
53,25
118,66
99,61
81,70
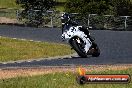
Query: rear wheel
x,y
96,50
78,47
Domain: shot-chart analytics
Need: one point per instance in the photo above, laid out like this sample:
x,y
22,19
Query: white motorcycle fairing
x,y
74,31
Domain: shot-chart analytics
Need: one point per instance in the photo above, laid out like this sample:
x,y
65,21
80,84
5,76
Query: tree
x,y
122,7
86,6
112,7
34,9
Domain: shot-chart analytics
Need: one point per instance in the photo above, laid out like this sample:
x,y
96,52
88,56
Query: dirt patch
x,y
10,73
15,72
7,20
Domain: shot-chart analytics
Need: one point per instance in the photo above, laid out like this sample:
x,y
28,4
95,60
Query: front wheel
x,y
78,47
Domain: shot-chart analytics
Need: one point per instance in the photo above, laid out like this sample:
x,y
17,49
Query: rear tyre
x,y
96,51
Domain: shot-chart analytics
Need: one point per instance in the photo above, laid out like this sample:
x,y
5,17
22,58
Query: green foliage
x,y
36,4
86,6
101,7
34,10
122,7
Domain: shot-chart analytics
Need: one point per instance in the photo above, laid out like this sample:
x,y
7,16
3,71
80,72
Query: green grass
x,y
59,8
61,0
12,50
8,4
60,80
8,8
9,13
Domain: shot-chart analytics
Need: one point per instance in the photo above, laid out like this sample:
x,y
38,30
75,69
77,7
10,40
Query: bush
x,y
34,10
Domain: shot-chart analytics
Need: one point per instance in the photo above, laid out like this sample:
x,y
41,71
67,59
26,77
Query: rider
x,y
66,20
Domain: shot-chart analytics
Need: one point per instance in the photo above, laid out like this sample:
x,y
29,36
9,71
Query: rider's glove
x,y
63,37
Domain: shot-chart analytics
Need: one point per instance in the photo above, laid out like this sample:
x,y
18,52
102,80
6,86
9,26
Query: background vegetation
x,y
111,7
84,7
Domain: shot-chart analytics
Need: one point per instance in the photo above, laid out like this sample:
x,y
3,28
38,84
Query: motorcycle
x,y
78,37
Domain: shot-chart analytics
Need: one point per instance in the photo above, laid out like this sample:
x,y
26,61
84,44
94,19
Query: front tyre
x,y
78,47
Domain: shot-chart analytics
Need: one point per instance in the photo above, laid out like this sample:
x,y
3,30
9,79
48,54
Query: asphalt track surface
x,y
115,46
